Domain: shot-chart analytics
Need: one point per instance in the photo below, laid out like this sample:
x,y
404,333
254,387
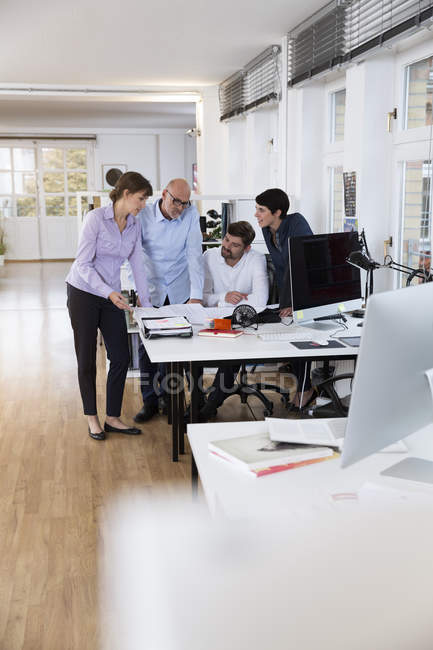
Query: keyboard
x,y
293,333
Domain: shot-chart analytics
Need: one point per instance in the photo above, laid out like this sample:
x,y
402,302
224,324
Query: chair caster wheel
x,y
267,413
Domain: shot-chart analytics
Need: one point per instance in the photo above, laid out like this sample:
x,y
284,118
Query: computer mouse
x,y
320,341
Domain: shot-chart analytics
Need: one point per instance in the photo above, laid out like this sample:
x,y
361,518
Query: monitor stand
x,y
412,469
320,326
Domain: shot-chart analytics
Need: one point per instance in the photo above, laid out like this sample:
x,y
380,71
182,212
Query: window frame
x,y
332,116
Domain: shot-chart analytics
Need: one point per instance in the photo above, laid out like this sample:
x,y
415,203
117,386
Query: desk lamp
x,y
365,262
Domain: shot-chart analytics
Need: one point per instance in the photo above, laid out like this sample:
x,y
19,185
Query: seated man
x,y
233,273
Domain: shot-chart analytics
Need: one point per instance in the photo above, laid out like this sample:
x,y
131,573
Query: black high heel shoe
x,y
132,431
97,436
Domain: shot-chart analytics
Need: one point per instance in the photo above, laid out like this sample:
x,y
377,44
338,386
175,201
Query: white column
x,y
211,144
368,151
305,153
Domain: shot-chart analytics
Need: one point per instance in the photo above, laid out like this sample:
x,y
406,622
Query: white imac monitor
x,y
391,395
321,282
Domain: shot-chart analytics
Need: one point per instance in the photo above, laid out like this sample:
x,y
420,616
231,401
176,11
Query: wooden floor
x,y
55,482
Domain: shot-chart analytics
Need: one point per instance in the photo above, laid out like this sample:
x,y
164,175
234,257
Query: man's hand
x,y
118,300
233,297
194,301
287,311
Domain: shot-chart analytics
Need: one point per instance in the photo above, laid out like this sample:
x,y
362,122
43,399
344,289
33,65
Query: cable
x,y
303,386
342,327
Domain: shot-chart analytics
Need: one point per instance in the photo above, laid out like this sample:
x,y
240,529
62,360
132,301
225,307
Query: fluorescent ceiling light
x,y
125,94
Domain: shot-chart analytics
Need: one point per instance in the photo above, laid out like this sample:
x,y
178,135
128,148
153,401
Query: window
x,y
64,172
419,94
416,224
338,107
336,199
18,190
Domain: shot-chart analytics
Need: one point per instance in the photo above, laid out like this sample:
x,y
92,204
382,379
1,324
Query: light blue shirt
x,y
173,263
102,251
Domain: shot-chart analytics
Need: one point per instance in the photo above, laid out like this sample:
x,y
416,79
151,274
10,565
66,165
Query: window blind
x,y
262,78
370,23
345,29
317,44
258,82
231,96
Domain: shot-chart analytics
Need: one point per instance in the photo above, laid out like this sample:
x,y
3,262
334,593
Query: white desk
x,y
248,347
238,494
200,352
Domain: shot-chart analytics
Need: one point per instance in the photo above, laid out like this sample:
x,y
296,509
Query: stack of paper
x,y
259,456
308,432
171,326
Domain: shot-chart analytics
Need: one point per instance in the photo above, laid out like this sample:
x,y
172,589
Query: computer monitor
x,y
391,395
320,281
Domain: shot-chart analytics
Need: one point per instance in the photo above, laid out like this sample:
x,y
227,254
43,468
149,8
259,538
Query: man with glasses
x,y
172,246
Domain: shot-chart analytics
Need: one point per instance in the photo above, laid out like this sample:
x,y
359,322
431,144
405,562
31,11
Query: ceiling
x,y
135,43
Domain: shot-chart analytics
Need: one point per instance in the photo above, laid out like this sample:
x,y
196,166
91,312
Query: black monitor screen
x,y
320,273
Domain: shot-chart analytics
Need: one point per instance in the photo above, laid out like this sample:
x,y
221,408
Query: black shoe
x,y
148,410
97,436
204,414
132,431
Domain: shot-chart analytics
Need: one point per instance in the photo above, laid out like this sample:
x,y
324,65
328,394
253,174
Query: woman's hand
x,y
118,300
287,311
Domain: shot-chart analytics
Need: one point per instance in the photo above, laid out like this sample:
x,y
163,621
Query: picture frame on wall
x,y
106,168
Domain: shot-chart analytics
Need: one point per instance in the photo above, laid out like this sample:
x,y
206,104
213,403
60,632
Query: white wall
x,y
136,150
159,156
239,156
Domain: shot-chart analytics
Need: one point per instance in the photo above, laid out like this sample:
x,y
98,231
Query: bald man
x,y
172,245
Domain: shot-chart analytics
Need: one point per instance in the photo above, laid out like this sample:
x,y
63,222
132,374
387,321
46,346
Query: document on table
x,y
194,312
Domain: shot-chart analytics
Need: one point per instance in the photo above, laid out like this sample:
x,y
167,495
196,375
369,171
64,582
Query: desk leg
x,y
169,408
172,388
194,477
196,372
181,409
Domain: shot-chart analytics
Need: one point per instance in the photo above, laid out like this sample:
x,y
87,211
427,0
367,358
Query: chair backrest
x,y
274,297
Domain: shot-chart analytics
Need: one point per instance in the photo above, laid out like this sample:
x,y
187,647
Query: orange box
x,y
222,323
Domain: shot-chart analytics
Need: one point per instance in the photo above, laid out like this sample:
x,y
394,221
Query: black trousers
x,y
88,313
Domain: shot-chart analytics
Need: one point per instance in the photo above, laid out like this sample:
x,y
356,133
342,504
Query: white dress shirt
x,y
248,275
172,250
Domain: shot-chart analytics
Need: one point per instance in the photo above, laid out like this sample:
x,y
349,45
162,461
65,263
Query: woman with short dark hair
x,y
110,236
277,225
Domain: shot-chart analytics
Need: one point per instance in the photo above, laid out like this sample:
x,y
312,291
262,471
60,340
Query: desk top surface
x,y
248,346
322,486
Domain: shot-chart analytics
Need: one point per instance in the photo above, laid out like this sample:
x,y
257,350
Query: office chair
x,y
324,384
244,389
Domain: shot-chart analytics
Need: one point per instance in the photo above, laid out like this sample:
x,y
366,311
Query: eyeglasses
x,y
178,203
